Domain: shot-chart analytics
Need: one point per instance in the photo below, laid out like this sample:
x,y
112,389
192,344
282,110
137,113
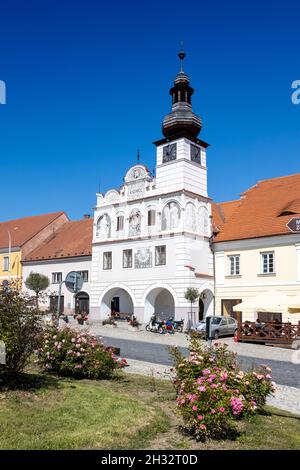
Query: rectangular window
x,y
127,259
234,265
160,255
56,278
107,260
120,223
84,275
267,262
151,217
6,263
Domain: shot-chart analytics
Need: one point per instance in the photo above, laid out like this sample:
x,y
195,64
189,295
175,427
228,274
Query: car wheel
x,y
216,335
235,332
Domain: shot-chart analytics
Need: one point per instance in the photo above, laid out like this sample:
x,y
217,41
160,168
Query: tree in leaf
x,y
192,294
38,283
20,331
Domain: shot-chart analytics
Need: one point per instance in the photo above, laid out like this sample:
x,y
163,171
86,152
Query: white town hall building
x,y
152,238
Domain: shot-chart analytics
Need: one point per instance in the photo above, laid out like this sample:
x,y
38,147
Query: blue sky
x,y
88,81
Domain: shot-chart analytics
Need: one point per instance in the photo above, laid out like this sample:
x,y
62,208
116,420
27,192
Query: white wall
x,y
64,266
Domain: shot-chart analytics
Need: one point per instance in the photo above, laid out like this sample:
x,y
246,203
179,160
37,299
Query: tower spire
x,y
182,121
181,55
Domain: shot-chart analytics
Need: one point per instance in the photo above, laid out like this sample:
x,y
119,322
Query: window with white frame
x,y
84,275
267,262
127,258
151,217
56,278
107,260
6,263
120,223
234,265
160,255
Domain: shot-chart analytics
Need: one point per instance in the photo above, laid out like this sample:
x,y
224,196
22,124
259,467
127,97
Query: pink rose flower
x,y
222,409
200,417
195,408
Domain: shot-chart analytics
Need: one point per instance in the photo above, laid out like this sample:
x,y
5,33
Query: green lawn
x,y
130,412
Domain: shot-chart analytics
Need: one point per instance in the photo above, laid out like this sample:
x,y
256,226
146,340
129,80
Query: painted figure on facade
x,y
135,223
104,227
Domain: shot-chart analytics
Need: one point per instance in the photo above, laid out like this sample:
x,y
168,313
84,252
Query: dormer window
x,y
292,208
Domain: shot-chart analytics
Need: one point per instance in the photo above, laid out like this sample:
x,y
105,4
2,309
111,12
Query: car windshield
x,y
215,321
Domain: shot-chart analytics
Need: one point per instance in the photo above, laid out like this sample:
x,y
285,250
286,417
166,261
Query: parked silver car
x,y
220,326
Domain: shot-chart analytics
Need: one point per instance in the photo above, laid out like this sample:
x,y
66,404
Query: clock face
x,y
195,154
169,152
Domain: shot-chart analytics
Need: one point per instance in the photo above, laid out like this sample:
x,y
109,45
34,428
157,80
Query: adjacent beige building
x,y
257,253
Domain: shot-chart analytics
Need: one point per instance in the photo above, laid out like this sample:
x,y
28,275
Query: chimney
x,y
86,216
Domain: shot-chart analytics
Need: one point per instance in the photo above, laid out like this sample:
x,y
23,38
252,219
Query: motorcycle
x,y
178,325
155,325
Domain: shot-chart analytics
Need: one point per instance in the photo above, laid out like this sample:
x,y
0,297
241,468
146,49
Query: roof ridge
x,y
32,217
278,178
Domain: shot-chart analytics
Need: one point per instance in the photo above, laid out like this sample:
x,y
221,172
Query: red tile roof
x,y
22,230
263,210
71,240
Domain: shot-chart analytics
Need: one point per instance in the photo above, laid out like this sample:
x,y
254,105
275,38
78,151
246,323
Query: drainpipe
x,y
211,242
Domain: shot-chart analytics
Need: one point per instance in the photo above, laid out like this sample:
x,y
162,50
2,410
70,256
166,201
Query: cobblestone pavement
x,y
147,354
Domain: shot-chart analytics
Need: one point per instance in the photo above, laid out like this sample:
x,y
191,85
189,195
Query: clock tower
x,y
181,155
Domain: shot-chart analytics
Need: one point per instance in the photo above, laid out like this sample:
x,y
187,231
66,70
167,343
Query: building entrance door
x,y
115,304
201,309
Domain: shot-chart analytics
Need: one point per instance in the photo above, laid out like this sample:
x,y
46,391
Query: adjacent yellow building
x,y
21,236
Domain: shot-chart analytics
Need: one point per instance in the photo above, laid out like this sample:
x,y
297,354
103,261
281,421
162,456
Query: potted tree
x,y
192,294
37,283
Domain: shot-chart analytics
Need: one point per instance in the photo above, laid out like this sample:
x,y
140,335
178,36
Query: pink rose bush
x,y
213,392
70,353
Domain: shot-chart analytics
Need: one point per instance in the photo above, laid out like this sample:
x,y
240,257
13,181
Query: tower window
x,y
107,260
127,259
160,255
151,217
120,223
195,154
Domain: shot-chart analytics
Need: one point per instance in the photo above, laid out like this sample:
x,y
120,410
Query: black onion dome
x,y
181,121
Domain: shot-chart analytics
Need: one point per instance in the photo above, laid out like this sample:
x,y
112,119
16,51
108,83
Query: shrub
x,y
213,392
20,329
70,353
